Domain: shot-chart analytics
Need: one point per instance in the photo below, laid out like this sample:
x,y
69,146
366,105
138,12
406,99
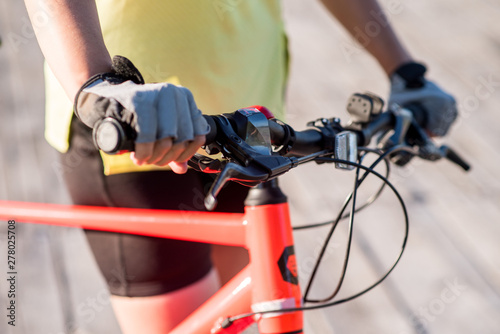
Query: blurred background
x,y
448,280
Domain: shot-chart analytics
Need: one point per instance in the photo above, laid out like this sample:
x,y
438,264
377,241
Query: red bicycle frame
x,y
269,282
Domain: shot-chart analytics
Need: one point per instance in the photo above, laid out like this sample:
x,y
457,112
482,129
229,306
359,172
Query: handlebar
x,y
257,149
114,137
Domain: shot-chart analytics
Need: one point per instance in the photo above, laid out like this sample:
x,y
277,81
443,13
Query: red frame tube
x,y
217,228
269,282
233,298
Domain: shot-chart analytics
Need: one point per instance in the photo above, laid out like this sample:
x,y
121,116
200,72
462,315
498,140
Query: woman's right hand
x,y
169,126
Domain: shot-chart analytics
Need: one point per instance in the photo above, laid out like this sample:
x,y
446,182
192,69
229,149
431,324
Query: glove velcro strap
x,y
412,73
88,120
122,67
122,70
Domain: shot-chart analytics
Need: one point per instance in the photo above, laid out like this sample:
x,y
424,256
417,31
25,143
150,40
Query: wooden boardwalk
x,y
449,278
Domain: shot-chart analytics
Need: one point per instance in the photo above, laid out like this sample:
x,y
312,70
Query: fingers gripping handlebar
x,y
112,136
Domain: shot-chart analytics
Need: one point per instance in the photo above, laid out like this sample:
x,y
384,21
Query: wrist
x,y
82,74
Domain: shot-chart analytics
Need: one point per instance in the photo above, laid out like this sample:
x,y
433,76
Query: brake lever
x,y
403,124
407,131
259,168
243,163
453,156
249,176
415,135
428,150
402,121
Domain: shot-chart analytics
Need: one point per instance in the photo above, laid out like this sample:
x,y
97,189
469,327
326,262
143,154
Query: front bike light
x,y
346,148
363,107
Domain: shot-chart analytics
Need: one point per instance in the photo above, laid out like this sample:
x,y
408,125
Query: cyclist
x,y
229,54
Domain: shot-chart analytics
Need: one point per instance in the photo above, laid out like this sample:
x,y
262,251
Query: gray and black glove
x,y
409,86
155,111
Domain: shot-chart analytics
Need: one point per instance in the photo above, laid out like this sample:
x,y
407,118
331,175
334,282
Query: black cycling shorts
x,y
135,265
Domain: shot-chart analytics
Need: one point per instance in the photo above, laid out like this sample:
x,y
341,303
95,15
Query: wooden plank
x,y
39,297
47,302
90,297
39,307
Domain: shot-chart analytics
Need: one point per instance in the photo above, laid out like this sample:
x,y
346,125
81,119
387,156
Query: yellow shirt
x,y
229,53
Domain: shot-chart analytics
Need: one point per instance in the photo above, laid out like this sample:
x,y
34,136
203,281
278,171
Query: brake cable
x,y
383,156
368,202
350,197
230,320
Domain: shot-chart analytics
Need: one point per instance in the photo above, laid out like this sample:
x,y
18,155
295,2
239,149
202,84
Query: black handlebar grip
x,y
112,136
